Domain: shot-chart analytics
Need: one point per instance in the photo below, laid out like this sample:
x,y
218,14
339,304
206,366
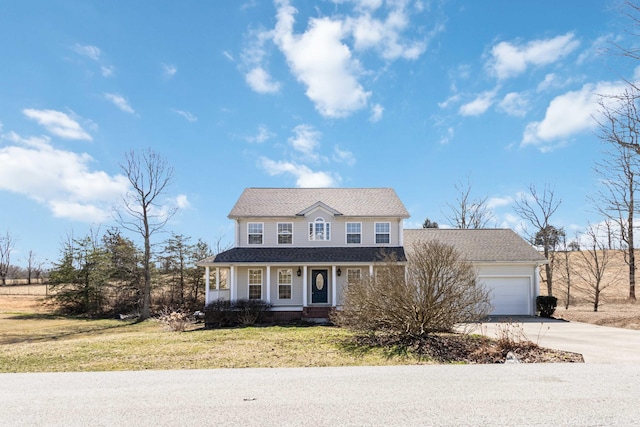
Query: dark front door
x,y
319,287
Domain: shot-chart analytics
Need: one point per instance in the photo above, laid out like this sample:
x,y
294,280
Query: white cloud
x,y
320,60
306,140
509,59
498,202
182,202
260,81
451,100
91,52
597,48
187,115
58,123
376,113
343,156
120,102
61,180
479,105
567,115
106,70
95,54
385,35
169,70
261,136
514,104
448,136
305,177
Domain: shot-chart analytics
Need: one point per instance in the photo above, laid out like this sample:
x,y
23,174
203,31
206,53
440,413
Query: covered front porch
x,y
310,291
296,282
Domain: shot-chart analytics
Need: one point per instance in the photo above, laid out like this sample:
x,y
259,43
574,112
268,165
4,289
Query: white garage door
x,y
509,295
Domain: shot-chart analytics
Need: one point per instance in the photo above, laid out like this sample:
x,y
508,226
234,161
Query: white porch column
x,y
334,285
401,232
536,289
304,286
233,287
268,298
370,270
206,285
217,278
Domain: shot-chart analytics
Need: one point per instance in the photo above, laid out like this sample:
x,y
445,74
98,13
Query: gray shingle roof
x,y
287,202
482,245
304,255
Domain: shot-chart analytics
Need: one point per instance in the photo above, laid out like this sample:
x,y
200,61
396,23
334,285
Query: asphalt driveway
x,y
597,344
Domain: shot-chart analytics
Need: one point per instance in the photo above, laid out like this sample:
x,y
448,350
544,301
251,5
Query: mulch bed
x,y
461,348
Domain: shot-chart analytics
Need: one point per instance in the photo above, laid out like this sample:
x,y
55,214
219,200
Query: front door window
x,y
319,288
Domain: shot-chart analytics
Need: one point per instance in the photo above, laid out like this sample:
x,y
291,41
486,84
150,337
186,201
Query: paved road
x,y
445,395
597,344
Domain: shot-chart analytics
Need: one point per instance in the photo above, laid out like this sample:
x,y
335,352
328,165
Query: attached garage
x,y
509,295
507,265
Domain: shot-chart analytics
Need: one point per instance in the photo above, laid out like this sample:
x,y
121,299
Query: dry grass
x,y
38,341
614,309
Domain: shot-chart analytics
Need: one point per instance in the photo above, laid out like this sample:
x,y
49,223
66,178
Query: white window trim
x,y
326,230
375,232
261,233
354,269
278,233
346,233
249,284
290,284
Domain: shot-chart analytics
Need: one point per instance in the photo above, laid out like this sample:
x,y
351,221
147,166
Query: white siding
x,y
301,231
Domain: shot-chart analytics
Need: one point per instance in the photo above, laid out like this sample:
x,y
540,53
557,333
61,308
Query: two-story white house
x,y
297,248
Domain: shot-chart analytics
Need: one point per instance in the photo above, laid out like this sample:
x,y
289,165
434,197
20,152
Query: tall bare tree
x,y
619,125
594,263
6,247
143,211
468,212
537,209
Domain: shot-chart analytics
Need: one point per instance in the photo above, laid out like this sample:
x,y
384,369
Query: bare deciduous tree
x,y
143,211
566,268
620,128
468,213
6,247
537,210
434,291
594,262
34,267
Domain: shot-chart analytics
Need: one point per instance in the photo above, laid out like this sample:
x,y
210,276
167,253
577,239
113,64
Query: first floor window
x,y
254,232
354,232
255,284
354,275
382,232
284,283
285,233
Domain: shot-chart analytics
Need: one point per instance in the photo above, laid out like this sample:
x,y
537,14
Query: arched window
x,y
319,229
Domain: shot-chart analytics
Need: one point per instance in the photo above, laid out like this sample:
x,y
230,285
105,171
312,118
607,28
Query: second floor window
x,y
285,233
354,232
319,230
382,232
254,233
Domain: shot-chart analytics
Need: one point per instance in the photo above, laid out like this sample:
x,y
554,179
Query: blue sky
x,y
420,96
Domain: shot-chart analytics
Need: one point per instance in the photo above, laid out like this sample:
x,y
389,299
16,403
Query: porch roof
x,y
297,255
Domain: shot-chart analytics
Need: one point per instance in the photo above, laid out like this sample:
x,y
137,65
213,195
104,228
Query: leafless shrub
x,y
432,293
175,321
